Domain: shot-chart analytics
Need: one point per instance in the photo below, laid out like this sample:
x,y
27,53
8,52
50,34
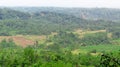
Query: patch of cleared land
x,y
24,40
81,33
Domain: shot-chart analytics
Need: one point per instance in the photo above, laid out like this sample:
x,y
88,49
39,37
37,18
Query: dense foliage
x,y
66,48
85,13
35,56
46,21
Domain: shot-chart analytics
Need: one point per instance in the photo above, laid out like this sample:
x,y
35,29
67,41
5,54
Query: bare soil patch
x,y
23,40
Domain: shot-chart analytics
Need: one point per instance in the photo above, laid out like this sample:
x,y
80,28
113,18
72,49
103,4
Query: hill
x,y
85,13
45,21
59,37
12,14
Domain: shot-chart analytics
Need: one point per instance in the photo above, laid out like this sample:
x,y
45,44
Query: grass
x,y
98,48
81,33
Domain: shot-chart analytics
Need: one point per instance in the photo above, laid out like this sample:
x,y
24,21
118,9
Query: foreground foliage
x,y
39,56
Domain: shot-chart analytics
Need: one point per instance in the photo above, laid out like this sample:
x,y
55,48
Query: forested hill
x,y
38,21
85,13
12,14
14,22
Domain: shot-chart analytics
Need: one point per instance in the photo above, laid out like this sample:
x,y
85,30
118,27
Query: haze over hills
x,y
59,33
59,37
85,13
46,20
33,20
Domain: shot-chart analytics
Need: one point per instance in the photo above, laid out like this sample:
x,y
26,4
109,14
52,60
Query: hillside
x,y
85,13
59,37
46,21
12,14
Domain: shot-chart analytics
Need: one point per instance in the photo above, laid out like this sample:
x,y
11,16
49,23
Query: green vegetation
x,y
63,44
6,44
65,50
46,21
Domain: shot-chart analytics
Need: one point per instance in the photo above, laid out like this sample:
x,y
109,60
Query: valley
x,y
59,37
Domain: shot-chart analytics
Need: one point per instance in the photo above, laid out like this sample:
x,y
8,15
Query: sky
x,y
62,3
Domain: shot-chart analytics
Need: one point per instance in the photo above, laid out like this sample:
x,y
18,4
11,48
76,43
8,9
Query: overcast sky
x,y
63,3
